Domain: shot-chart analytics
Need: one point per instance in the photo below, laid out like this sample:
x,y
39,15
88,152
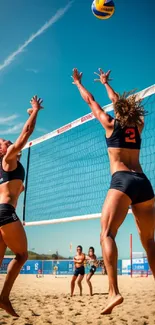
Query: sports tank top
x,y
18,173
127,137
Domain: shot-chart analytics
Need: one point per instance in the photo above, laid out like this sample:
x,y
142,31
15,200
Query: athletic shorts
x,y
92,269
135,185
7,214
79,271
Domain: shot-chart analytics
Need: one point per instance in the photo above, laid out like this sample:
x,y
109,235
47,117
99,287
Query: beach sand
x,y
47,301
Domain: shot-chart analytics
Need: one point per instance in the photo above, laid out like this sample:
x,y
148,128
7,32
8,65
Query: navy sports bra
x,y
126,137
18,173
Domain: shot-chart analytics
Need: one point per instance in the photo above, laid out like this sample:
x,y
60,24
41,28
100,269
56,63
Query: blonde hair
x,y
129,109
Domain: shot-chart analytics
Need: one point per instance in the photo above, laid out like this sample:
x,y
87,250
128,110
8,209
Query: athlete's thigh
x,y
114,211
14,237
89,276
144,214
2,248
74,278
80,278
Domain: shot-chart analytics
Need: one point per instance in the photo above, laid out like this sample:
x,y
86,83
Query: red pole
x,y
131,253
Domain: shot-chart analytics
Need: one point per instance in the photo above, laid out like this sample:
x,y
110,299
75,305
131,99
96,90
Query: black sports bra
x,y
126,137
18,173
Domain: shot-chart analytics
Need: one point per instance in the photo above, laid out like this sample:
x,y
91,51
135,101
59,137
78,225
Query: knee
x,y
22,257
105,233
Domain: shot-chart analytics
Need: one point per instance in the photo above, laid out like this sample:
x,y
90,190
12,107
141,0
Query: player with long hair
x,y
12,234
129,185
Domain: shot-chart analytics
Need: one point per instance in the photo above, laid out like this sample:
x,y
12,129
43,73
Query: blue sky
x,y
124,44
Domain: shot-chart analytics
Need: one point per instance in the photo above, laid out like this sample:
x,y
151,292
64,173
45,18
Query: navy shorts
x,y
135,185
79,271
92,269
7,214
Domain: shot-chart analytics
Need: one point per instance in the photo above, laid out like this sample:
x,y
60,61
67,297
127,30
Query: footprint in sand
x,y
78,314
7,316
33,313
60,312
123,320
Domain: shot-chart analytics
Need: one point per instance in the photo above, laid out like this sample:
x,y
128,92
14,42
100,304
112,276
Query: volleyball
x,y
103,9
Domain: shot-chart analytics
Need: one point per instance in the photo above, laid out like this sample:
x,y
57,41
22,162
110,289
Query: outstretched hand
x,y
77,76
36,104
103,76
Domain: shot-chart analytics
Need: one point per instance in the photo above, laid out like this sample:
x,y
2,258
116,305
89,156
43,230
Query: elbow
x,y
29,130
90,99
115,98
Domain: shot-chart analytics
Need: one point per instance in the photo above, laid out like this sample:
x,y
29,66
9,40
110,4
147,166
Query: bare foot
x,y
6,305
113,302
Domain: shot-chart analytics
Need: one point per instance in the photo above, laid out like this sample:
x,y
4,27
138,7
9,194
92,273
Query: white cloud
x,y
59,14
9,120
42,130
12,130
32,70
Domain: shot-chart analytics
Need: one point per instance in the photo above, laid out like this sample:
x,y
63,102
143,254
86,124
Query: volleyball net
x,y
67,170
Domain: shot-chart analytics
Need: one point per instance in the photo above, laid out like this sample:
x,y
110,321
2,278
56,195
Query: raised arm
x,y
89,99
104,78
28,128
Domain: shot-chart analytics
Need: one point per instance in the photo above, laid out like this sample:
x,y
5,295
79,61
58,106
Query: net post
x,y
26,184
131,254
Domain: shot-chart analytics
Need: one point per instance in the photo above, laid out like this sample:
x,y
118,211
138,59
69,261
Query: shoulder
x,y
106,120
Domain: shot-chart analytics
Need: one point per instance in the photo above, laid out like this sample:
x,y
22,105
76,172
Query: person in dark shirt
x,y
12,233
129,185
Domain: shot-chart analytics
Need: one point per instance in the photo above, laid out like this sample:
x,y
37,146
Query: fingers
x,y
108,73
40,100
101,71
97,74
35,98
96,80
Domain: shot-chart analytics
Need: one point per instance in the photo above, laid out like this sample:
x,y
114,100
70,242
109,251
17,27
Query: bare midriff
x,y
122,159
10,192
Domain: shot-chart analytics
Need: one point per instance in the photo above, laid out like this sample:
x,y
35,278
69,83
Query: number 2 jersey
x,y
124,137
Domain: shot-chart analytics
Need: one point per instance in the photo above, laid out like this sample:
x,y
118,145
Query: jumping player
x,y
129,185
12,233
